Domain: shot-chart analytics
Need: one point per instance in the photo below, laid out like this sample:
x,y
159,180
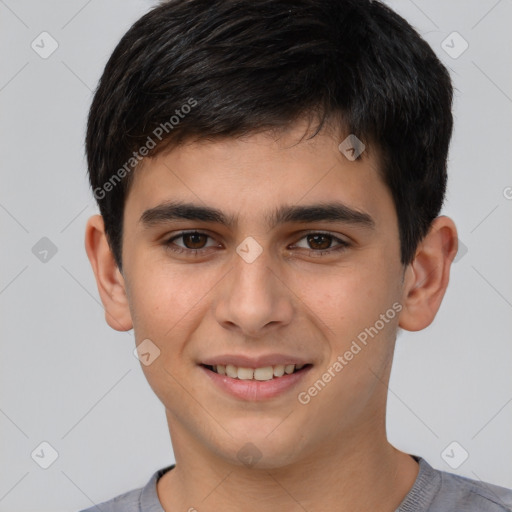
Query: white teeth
x,y
245,373
231,371
264,373
289,368
278,370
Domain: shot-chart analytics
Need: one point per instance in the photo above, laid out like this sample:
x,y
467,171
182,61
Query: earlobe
x,y
426,278
110,281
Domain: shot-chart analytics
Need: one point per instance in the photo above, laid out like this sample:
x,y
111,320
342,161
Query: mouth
x,y
255,378
258,374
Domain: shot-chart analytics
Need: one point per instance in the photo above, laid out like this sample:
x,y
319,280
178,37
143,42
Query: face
x,y
246,257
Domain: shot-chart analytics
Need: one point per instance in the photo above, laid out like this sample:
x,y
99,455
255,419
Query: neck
x,y
358,471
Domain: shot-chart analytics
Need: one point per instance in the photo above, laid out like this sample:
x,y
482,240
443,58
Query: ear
x,y
426,278
110,282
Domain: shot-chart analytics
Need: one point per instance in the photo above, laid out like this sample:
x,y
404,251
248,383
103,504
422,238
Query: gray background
x,y
69,380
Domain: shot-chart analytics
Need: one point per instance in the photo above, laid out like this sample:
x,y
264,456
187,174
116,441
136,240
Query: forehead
x,y
254,174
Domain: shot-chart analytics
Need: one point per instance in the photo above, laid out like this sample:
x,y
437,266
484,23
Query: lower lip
x,y
256,390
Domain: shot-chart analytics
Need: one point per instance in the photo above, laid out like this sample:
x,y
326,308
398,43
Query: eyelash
x,y
343,245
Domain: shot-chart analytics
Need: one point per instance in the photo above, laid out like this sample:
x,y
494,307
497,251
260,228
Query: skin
x,y
331,453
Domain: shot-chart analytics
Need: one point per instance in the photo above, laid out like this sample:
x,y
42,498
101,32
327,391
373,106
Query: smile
x,y
260,374
255,377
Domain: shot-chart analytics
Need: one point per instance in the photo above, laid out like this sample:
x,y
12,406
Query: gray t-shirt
x,y
433,491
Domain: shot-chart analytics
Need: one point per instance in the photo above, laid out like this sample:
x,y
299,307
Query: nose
x,y
254,298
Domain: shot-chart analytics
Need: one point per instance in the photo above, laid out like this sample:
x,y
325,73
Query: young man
x,y
269,175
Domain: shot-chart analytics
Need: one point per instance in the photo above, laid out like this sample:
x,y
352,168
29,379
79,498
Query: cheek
x,y
163,294
169,305
345,302
358,314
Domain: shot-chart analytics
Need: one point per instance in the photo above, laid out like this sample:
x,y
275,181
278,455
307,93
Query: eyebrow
x,y
322,212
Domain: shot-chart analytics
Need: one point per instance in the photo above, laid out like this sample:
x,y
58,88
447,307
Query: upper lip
x,y
244,361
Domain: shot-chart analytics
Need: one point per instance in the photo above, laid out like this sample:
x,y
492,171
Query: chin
x,y
262,451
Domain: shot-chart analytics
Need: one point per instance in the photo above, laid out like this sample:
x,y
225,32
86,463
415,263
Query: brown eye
x,y
319,241
192,243
322,244
194,240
